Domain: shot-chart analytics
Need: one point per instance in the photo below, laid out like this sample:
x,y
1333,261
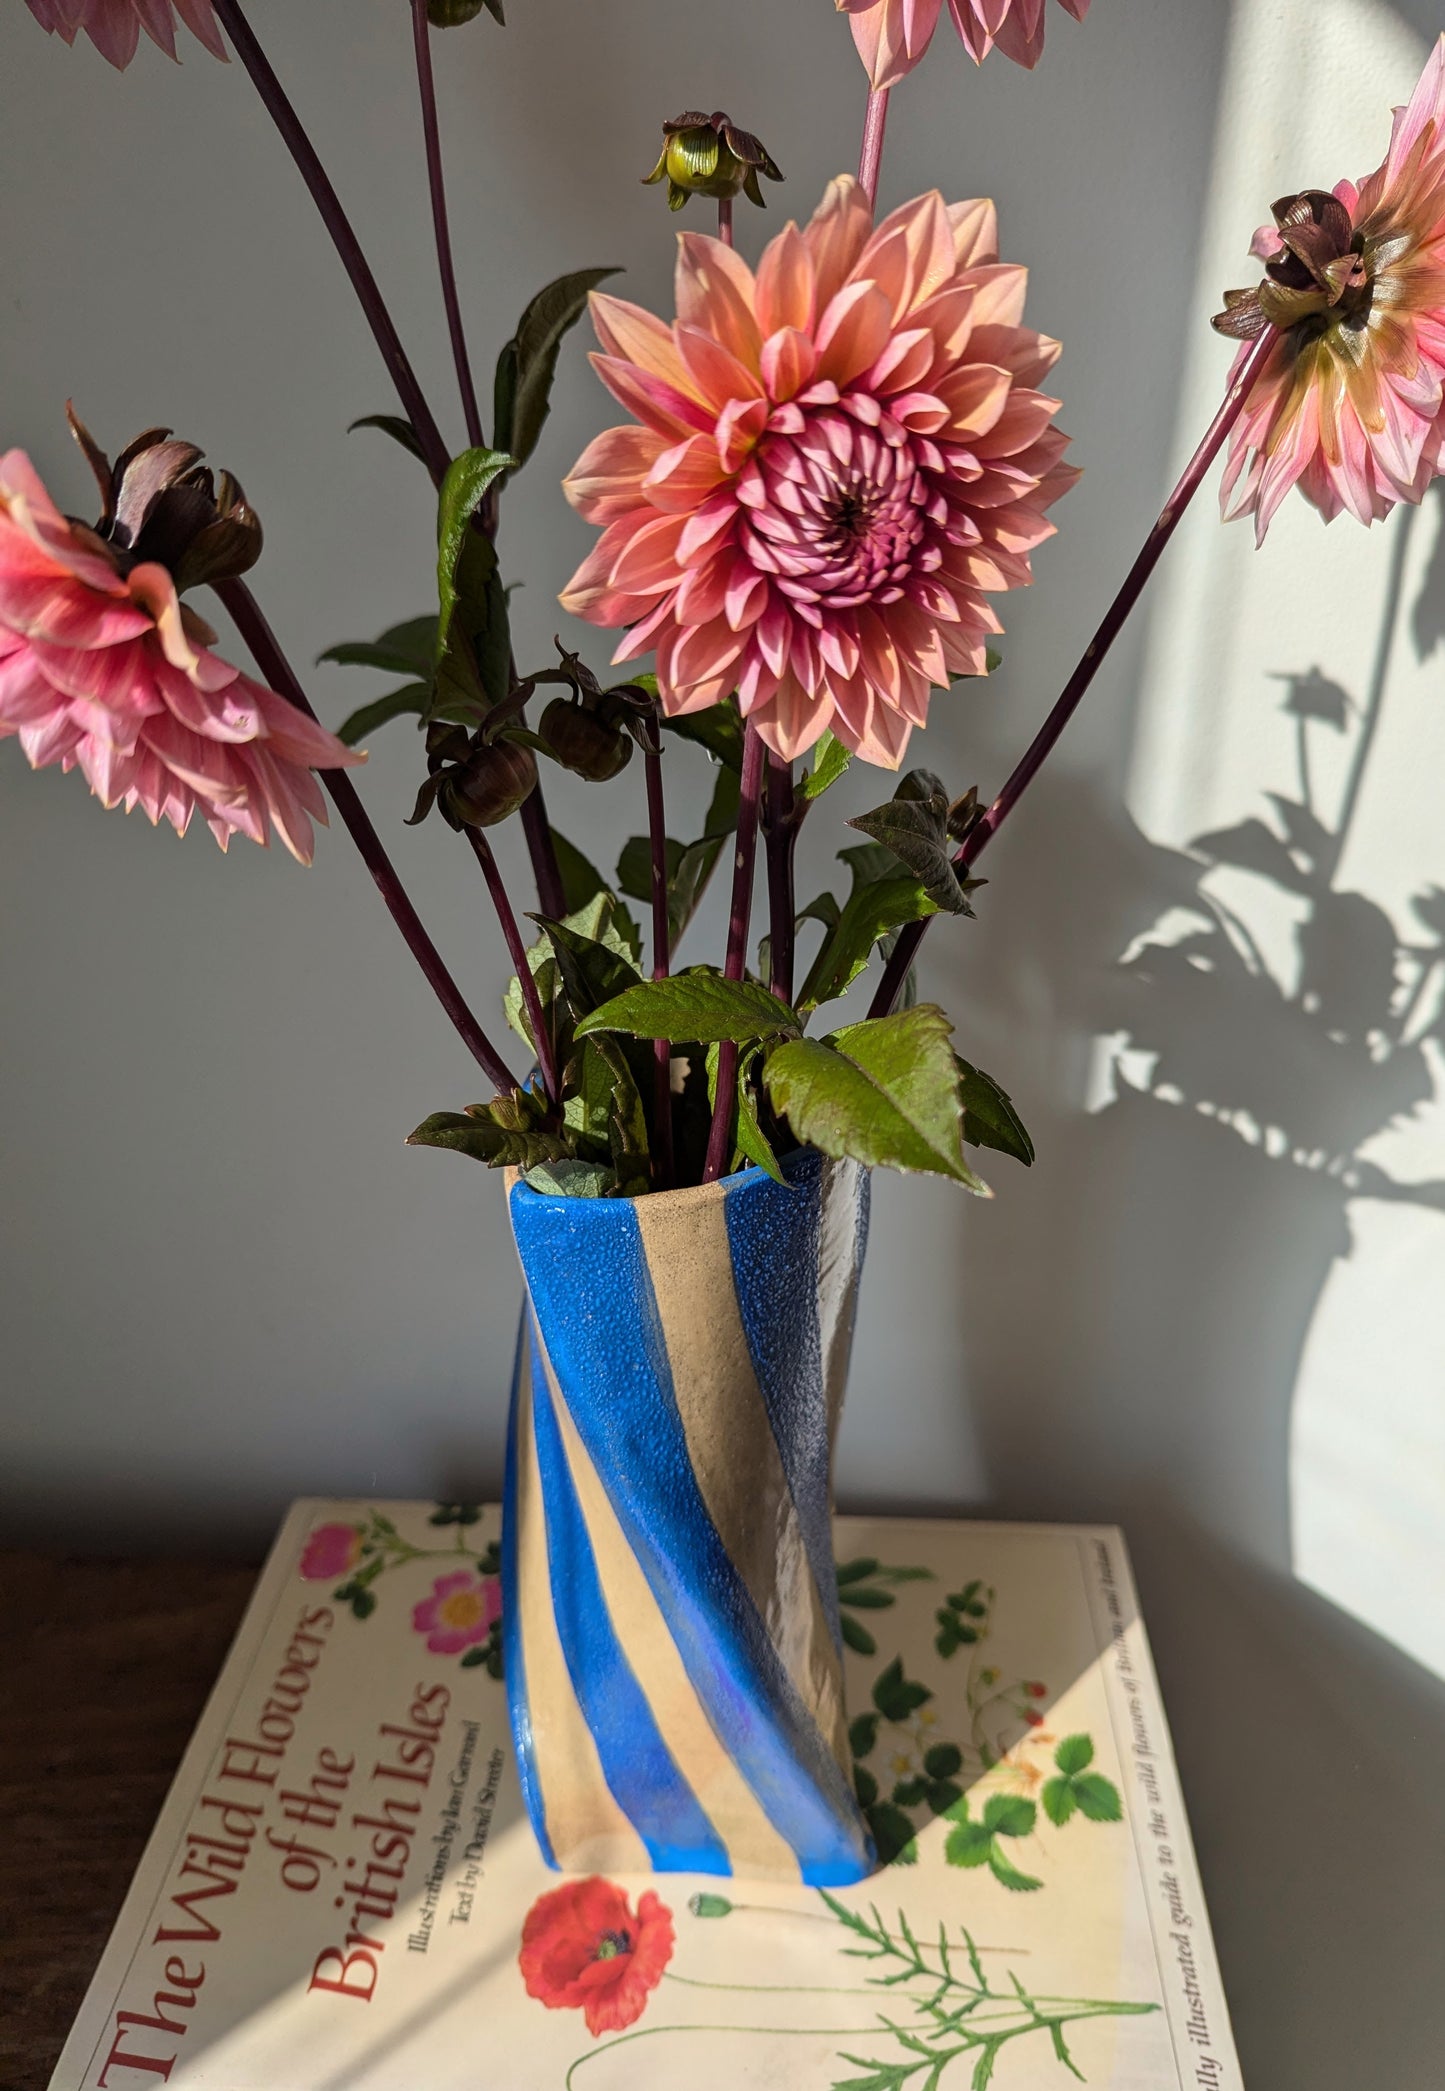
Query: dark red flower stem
x,y
537,829
749,803
781,843
1095,653
343,238
446,265
870,159
664,1171
517,950
725,220
274,666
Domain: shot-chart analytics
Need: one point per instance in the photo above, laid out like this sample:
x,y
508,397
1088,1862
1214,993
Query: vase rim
x,y
801,1162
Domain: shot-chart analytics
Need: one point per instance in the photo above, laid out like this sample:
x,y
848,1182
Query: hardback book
x,y
342,1892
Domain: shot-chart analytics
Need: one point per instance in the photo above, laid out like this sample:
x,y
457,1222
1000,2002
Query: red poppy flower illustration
x,y
584,1950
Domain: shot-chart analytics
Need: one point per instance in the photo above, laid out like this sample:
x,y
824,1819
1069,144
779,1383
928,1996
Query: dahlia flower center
x,y
843,512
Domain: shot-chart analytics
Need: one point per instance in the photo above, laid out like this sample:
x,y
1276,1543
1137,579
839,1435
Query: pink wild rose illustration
x,y
460,1613
332,1550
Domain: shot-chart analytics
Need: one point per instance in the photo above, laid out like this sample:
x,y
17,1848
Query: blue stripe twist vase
x,y
673,1653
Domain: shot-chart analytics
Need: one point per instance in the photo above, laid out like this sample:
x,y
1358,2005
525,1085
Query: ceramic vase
x,y
673,1654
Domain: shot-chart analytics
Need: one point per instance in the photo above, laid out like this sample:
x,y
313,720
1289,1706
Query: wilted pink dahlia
x,y
114,26
103,670
892,35
834,464
1350,406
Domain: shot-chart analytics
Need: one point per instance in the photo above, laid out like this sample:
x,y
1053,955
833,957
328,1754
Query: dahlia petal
x,y
114,28
657,404
975,232
601,485
836,234
715,374
649,561
199,19
681,478
715,290
786,284
852,332
792,719
789,362
633,335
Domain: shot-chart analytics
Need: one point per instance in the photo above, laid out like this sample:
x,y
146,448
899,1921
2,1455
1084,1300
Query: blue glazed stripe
x,y
638,1766
778,1302
513,1661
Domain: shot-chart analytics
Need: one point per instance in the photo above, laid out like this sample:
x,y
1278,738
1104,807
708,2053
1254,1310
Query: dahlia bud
x,y
585,740
709,156
489,786
450,14
160,504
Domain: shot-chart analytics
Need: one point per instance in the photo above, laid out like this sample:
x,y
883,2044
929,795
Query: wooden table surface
x,y
104,1669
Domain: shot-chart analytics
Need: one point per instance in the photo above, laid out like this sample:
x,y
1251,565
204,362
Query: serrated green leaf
x,y
1061,2050
1074,1754
594,968
830,761
1009,1815
634,866
895,1695
500,1147
863,1734
473,631
414,699
394,425
868,1600
857,1637
865,1786
1008,1875
522,394
695,1008
943,1760
1098,1798
989,1118
883,1091
857,1571
942,1793
968,1844
405,649
753,1143
872,912
893,1834
913,824
568,1179
1058,1800
908,1793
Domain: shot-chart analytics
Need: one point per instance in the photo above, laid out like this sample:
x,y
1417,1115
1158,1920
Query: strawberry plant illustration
x,y
907,1773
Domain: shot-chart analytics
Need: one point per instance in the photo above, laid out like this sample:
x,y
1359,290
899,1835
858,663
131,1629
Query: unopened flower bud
x,y
450,14
161,505
709,156
585,741
490,785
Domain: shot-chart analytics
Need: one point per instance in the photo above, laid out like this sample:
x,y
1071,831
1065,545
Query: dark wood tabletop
x,y
104,1668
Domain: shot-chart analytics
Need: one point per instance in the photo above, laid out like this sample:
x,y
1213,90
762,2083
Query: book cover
x,y
342,1893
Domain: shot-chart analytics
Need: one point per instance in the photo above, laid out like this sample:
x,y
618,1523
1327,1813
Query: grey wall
x,y
226,1281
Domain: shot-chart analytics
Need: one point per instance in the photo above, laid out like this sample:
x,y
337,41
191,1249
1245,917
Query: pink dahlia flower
x,y
103,670
833,466
460,1613
114,26
1350,407
892,35
332,1550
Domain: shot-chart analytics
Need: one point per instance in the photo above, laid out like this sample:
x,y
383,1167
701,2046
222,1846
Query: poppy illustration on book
x,y
344,1890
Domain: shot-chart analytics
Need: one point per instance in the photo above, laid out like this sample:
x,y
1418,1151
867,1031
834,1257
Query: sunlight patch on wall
x,y
1291,735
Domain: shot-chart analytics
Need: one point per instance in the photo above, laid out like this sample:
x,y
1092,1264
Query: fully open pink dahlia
x,y
892,35
103,670
1350,406
835,462
114,26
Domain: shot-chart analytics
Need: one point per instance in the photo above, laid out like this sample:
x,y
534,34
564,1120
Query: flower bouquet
x,y
833,464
